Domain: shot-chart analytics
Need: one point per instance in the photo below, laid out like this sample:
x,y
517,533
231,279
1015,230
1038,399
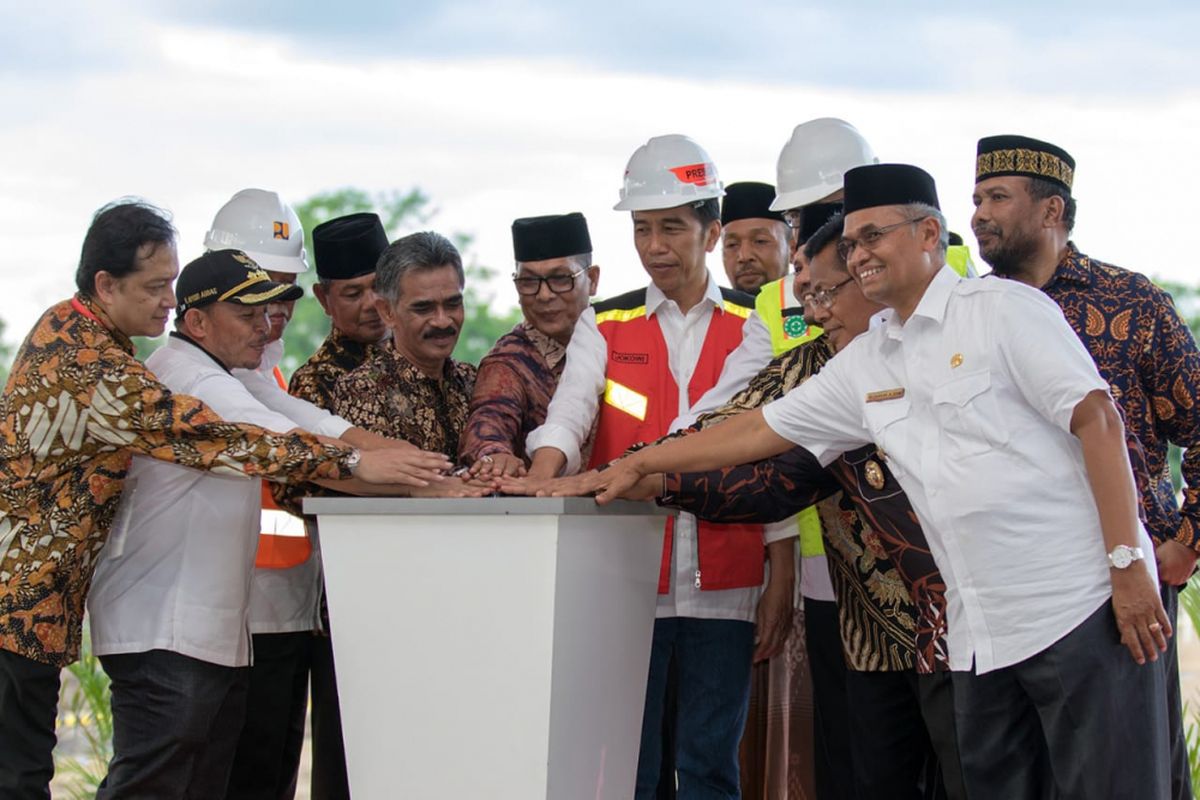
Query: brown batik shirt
x,y
77,407
389,396
512,392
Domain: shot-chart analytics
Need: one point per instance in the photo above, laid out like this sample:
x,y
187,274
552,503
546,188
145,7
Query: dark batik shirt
x,y
388,395
512,391
1147,354
77,407
877,528
876,616
315,382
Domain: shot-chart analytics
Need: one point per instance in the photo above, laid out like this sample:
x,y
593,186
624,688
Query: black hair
x,y
115,238
707,211
824,236
1041,189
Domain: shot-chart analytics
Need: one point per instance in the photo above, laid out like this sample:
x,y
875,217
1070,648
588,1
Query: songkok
x,y
348,247
888,185
551,236
1020,155
229,276
748,200
813,216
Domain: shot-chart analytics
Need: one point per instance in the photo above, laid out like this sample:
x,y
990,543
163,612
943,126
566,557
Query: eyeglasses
x,y
530,285
824,298
792,218
870,239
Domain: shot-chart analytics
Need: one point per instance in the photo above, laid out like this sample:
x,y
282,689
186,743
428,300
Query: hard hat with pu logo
x,y
262,225
666,172
813,161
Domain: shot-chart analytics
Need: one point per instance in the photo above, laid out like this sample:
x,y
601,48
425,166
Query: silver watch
x,y
1123,555
353,457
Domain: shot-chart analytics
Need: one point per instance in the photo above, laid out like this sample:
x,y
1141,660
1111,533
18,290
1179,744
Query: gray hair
x,y
416,252
917,210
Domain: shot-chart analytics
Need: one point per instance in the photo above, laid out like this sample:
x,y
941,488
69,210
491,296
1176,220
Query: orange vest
x,y
641,399
283,542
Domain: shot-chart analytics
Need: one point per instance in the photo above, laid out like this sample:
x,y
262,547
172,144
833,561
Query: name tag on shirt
x,y
885,394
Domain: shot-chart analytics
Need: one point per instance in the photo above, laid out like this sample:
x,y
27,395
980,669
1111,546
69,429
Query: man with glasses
x,y
983,383
554,278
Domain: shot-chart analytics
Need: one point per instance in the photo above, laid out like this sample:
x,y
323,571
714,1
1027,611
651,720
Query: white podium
x,y
490,648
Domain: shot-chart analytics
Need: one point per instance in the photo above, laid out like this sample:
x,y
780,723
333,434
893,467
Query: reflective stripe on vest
x,y
625,399
958,256
282,542
770,304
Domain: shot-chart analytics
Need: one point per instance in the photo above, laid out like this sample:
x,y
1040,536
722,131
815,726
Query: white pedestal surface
x,y
490,648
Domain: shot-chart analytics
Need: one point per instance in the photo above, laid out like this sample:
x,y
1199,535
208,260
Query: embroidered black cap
x,y
552,236
348,247
1021,155
229,276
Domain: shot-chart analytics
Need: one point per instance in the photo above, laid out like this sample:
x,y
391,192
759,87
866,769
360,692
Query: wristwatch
x,y
353,457
1123,555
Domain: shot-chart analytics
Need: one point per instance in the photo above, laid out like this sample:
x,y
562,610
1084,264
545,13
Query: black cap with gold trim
x,y
229,276
1020,155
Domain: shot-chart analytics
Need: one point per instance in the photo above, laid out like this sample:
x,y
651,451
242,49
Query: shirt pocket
x,y
968,413
886,422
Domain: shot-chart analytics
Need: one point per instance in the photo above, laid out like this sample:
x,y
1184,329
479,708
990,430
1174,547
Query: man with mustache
x,y
555,278
411,388
754,239
1024,213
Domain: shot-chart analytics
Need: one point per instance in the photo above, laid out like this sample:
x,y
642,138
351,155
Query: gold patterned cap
x,y
229,276
1021,155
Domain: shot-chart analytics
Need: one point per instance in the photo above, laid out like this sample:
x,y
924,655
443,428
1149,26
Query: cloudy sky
x,y
499,110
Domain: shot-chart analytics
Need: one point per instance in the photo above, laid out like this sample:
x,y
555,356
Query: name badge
x,y
885,394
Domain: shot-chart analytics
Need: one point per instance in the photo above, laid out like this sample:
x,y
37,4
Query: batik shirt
x,y
389,396
77,407
315,381
512,391
317,377
876,615
1147,354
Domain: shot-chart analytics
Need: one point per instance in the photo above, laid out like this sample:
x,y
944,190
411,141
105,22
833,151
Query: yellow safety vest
x,y
783,315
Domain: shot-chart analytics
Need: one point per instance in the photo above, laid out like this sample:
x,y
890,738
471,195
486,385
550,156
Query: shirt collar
x,y
175,339
409,371
712,294
932,304
89,310
1075,268
550,350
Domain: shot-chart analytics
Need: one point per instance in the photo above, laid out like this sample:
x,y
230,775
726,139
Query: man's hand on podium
x,y
455,487
585,484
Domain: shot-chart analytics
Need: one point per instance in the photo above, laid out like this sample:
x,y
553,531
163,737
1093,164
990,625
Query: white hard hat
x,y
812,163
260,224
666,172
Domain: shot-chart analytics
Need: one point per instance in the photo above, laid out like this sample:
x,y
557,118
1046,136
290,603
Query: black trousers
x,y
834,760
1181,772
28,707
329,780
894,721
267,760
1077,721
175,722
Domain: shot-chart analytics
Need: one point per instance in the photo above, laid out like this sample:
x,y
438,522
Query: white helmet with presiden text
x,y
666,172
260,224
812,163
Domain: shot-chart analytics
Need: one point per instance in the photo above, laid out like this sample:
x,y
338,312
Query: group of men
x,y
972,472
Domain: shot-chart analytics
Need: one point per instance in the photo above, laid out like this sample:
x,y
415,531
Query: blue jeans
x,y
712,661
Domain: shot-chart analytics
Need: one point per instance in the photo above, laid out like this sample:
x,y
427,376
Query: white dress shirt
x,y
175,573
980,442
576,402
287,600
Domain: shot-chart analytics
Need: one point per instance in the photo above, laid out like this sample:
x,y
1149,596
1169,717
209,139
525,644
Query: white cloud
x,y
490,140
